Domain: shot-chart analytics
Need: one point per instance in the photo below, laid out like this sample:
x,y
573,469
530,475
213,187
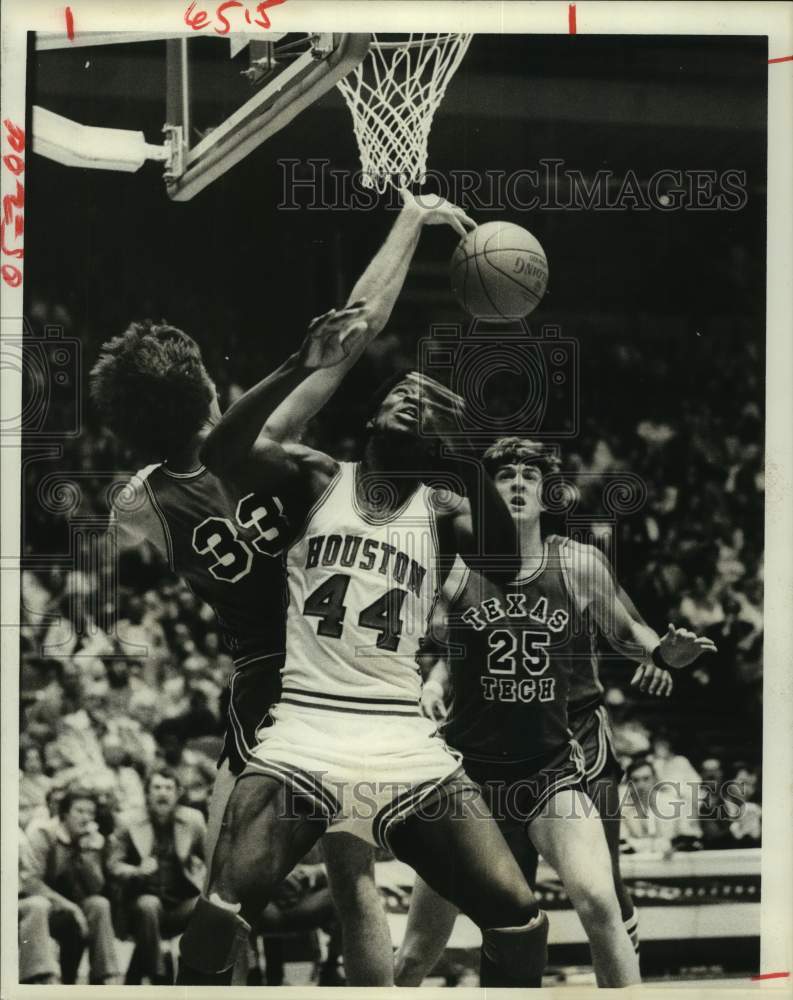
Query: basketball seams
x,y
488,247
504,274
483,286
483,253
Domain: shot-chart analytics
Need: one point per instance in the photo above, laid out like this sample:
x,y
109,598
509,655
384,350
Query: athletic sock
x,y
515,956
632,927
211,943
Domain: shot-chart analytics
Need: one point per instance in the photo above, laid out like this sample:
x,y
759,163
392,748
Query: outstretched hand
x,y
652,680
333,336
437,211
679,647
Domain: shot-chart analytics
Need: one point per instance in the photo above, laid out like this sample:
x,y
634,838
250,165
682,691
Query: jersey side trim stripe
x,y
238,724
345,708
163,520
302,782
349,697
403,805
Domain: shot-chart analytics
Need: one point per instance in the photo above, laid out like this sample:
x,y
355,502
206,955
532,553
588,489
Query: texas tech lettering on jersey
x,y
512,653
503,681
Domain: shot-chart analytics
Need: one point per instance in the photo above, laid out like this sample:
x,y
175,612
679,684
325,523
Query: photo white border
x,y
511,16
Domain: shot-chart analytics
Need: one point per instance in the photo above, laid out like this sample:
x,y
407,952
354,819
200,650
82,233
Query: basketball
x,y
499,270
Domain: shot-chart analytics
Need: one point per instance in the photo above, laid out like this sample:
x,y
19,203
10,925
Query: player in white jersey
x,y
154,392
349,749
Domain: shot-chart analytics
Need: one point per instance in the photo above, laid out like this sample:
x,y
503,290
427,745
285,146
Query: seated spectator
x,y
194,770
119,688
220,664
701,608
74,632
127,788
158,856
142,636
631,736
43,713
197,720
34,784
38,960
136,728
301,903
68,866
746,828
714,811
678,771
654,816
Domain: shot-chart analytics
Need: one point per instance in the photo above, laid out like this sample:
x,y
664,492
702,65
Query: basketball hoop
x,y
393,95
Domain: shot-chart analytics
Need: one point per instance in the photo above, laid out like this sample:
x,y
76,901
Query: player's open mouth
x,y
411,412
518,501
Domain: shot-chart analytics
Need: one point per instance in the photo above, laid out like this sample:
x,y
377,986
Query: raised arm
x,y
597,591
376,291
480,529
236,443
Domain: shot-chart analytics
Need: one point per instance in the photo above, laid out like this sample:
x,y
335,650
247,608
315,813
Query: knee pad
x,y
521,952
212,938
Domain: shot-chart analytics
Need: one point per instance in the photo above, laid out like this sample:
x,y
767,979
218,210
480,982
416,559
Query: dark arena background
x,y
660,284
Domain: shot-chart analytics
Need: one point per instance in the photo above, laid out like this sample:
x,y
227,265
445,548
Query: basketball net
x,y
393,96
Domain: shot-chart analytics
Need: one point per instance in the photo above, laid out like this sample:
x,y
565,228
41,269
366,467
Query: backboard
x,y
224,97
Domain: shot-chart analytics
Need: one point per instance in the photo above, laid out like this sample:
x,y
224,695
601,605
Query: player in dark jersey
x,y
513,651
154,392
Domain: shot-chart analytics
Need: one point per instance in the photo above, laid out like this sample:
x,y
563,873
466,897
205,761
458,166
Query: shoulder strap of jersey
x,y
139,516
333,486
568,554
456,581
159,512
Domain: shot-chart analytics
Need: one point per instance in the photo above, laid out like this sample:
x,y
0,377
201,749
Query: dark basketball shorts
x,y
591,727
254,687
518,792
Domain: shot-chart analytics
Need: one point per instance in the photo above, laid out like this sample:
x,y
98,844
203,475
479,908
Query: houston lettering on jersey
x,y
375,555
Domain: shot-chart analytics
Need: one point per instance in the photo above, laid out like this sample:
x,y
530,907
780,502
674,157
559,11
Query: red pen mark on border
x,y
571,18
12,218
782,59
70,24
772,975
198,19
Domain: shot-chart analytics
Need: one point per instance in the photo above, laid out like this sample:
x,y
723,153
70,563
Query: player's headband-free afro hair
x,y
382,391
511,450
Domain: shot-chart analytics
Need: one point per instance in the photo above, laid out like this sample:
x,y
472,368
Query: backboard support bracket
x,y
273,107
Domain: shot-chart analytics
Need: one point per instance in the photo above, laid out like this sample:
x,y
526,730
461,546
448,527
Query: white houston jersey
x,y
361,591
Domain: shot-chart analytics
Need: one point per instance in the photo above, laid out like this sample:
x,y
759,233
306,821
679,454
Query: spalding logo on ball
x,y
499,271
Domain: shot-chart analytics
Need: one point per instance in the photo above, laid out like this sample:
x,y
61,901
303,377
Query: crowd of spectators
x,y
121,683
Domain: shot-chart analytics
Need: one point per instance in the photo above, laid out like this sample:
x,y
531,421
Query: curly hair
x,y
511,450
151,388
